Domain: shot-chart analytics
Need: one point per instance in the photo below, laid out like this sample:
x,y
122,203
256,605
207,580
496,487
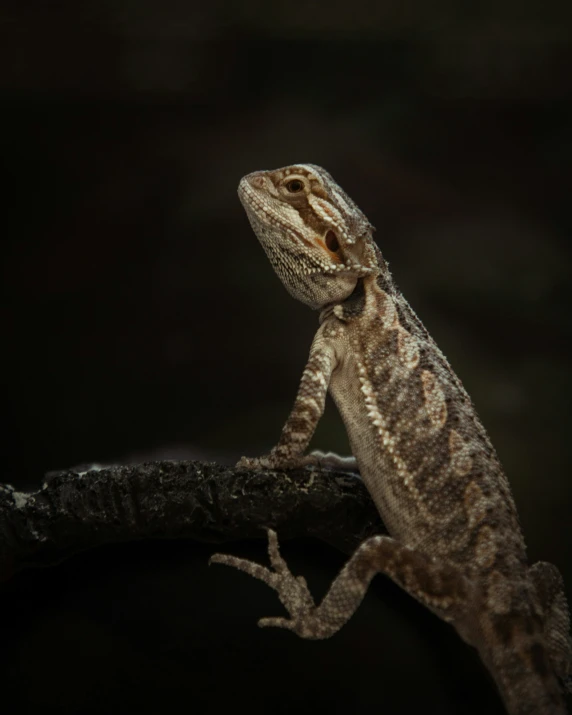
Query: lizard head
x,y
316,238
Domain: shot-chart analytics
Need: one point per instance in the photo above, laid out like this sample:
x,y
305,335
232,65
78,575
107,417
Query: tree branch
x,y
75,510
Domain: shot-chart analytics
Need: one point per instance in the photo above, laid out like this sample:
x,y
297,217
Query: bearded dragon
x,y
455,542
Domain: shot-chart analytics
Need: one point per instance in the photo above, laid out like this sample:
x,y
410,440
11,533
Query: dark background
x,y
141,319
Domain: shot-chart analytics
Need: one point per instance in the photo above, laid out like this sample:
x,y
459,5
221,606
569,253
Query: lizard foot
x,y
292,590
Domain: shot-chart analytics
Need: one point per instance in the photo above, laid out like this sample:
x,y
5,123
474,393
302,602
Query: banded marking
x,y
461,460
498,594
485,547
407,349
386,310
475,504
435,404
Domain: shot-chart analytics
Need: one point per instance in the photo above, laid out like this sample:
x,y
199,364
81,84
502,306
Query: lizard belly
x,y
371,445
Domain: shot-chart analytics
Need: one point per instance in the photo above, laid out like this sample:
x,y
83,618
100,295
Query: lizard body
x,y
426,459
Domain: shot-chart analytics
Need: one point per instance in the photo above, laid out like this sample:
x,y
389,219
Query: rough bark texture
x,y
78,510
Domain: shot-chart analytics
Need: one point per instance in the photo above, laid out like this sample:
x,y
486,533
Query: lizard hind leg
x,y
292,590
440,587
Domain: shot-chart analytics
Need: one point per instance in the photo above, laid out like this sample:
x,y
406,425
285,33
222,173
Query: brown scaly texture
x,y
425,457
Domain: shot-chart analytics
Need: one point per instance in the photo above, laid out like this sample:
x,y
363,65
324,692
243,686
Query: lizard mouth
x,y
254,205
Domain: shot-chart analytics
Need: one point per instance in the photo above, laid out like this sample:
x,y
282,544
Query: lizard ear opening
x,y
332,242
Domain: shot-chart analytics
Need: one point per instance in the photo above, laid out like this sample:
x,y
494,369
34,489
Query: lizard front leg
x,y
440,587
305,415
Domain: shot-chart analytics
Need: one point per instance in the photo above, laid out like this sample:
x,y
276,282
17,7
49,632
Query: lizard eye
x,y
332,241
294,186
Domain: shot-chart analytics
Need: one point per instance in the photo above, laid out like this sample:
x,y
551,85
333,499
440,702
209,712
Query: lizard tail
x,y
522,666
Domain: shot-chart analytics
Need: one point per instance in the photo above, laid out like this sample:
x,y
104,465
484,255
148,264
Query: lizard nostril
x,y
257,181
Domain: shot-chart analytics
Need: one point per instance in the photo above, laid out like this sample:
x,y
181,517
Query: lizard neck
x,y
379,279
352,306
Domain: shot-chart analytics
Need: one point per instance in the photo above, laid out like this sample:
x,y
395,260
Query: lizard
x,y
454,543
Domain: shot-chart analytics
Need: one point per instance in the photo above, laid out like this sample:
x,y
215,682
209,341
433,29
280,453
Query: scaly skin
x,y
425,457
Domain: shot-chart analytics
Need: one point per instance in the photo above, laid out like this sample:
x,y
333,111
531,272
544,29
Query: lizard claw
x,y
276,623
250,567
